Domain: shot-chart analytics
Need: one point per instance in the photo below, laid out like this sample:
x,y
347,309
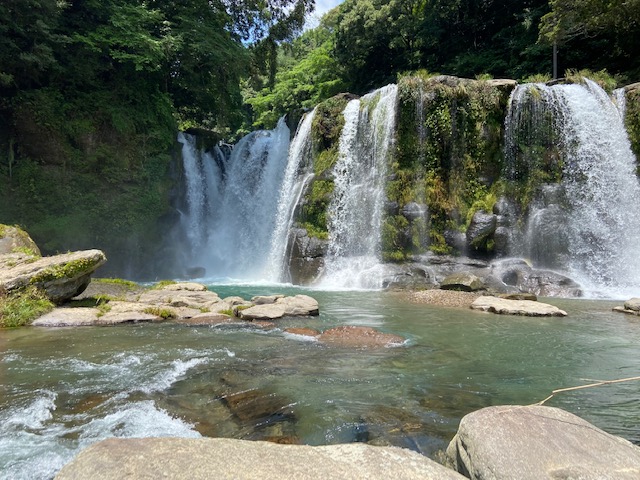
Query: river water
x,y
63,389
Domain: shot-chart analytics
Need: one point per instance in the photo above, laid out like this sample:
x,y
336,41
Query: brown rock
x,y
359,337
307,332
256,405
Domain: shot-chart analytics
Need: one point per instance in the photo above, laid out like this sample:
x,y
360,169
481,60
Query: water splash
x,y
356,207
231,206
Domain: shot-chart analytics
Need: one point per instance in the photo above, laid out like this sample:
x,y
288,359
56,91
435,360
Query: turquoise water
x,y
63,389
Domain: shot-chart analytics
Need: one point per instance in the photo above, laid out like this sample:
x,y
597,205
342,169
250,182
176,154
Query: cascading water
x,y
296,177
231,206
593,211
356,207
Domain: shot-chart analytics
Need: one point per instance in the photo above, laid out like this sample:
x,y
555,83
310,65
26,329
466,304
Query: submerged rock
x,y
536,442
206,458
516,307
359,337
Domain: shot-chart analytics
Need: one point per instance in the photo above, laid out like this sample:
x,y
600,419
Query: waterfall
x,y
203,173
355,210
231,204
586,224
296,177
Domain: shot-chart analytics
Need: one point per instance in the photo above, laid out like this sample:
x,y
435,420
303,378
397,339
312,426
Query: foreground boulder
x,y
198,459
516,307
536,442
62,277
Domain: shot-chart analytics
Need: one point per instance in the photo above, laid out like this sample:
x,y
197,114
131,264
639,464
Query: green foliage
x,y
632,121
313,216
449,154
21,307
164,313
602,78
305,78
71,269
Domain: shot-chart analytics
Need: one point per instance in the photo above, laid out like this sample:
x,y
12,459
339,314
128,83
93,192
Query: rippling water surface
x,y
63,389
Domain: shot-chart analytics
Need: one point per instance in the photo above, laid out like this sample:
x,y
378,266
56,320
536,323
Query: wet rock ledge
x,y
188,303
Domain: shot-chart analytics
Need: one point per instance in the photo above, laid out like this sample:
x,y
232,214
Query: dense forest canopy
x,y
93,92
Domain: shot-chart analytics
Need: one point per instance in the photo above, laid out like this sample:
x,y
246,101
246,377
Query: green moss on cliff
x,y
632,121
449,150
325,136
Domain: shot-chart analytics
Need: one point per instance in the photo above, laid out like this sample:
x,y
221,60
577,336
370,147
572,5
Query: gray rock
x,y
181,295
414,211
62,277
462,281
535,443
633,304
299,305
481,229
269,311
516,307
207,458
265,299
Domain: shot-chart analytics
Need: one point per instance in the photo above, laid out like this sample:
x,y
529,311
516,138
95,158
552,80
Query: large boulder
x,y
307,256
481,230
14,239
527,308
536,443
206,458
462,281
62,277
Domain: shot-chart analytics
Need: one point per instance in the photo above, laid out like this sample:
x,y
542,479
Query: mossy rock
x,y
16,240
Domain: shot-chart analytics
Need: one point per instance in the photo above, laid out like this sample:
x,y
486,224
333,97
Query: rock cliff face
x,y
478,170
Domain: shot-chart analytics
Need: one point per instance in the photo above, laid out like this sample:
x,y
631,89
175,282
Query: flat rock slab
x,y
87,316
209,458
359,337
516,307
537,443
62,277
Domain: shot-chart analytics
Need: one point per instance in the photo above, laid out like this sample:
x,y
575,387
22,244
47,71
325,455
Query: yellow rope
x,y
580,387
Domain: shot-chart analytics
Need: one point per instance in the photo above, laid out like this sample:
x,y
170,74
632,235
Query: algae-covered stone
x,y
14,240
62,277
